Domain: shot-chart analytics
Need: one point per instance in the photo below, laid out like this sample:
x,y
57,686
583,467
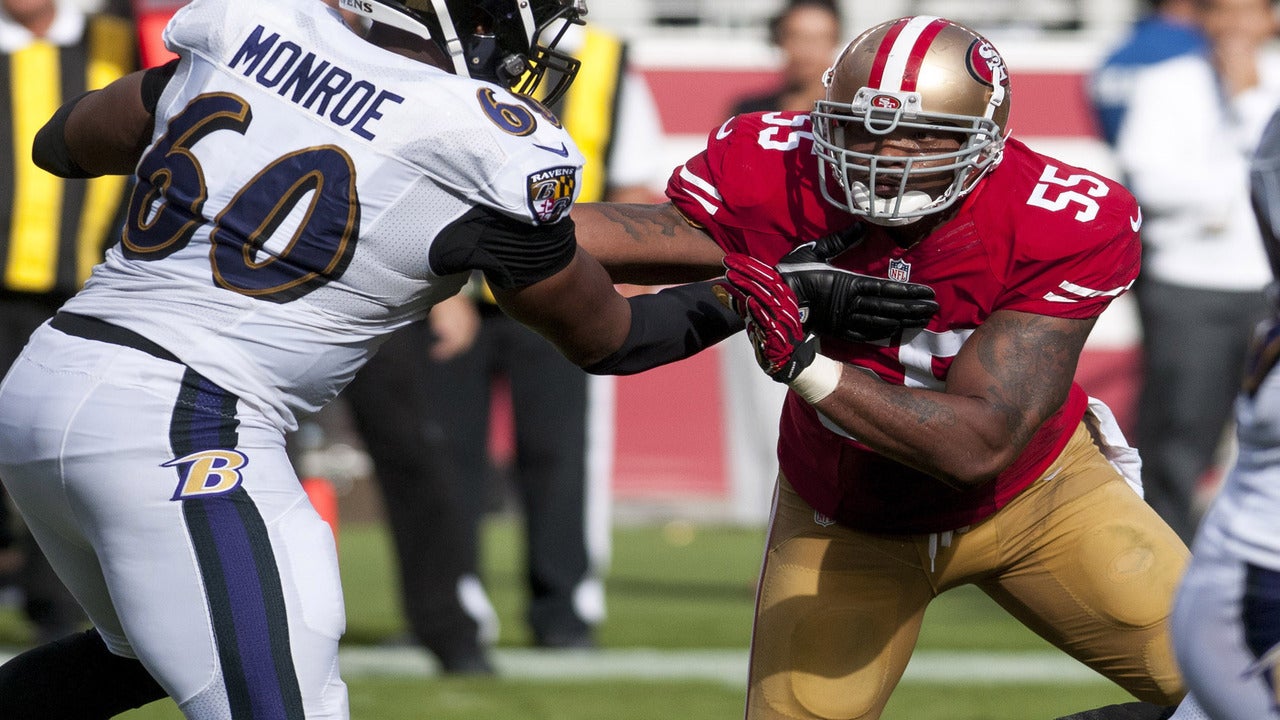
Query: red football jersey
x,y
1037,235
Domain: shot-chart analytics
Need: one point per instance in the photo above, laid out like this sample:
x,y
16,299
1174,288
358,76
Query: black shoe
x,y
1124,711
46,634
576,639
470,661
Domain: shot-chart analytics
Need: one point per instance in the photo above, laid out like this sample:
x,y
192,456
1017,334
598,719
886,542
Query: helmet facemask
x,y
856,174
865,103
508,42
548,65
513,43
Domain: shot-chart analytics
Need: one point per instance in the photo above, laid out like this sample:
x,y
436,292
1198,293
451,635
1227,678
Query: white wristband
x,y
819,379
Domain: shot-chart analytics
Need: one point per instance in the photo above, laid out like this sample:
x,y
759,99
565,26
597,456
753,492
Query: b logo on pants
x,y
208,472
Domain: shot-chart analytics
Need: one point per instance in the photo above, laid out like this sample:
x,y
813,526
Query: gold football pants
x,y
1078,557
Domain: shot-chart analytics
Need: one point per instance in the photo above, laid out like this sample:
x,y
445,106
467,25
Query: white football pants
x,y
1209,626
171,511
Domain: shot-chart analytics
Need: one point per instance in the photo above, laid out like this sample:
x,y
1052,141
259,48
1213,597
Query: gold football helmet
x,y
918,74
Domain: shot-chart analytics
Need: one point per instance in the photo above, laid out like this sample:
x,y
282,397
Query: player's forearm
x,y
963,441
668,326
1013,373
646,244
599,330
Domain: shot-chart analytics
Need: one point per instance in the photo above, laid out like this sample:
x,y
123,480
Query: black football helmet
x,y
508,42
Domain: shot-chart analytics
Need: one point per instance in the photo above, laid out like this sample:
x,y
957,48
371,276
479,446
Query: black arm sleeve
x,y
49,150
510,252
154,82
670,325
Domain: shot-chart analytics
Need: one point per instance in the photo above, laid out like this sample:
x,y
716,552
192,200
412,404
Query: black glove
x,y
842,304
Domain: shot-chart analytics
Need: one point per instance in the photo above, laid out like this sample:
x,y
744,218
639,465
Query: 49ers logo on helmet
x,y
985,64
885,102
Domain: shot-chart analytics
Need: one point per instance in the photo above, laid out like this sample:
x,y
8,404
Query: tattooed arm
x,y
1009,377
646,244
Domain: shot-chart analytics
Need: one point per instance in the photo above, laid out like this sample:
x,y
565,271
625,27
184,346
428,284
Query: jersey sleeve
x,y
500,152
694,189
200,26
731,189
510,252
541,173
1069,268
1264,190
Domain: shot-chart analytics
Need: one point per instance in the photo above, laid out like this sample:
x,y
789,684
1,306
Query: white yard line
x,y
725,666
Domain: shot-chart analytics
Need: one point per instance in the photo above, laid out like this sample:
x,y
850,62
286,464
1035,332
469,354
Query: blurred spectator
x,y
611,114
391,409
563,459
423,497
808,33
52,231
151,16
1169,30
1192,125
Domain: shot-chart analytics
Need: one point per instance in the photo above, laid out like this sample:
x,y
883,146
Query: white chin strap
x,y
387,15
452,43
526,17
880,210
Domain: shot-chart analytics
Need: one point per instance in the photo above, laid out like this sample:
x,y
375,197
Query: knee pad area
x,y
817,654
1126,575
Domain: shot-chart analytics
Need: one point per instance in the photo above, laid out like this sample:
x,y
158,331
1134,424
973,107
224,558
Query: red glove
x,y
763,299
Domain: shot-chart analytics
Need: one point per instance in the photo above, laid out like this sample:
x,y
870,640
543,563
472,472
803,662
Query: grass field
x,y
671,589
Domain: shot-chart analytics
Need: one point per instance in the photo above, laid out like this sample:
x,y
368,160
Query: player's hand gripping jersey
x,y
270,268
1036,236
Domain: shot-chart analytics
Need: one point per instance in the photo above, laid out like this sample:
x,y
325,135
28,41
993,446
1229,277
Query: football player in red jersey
x,y
961,453
247,289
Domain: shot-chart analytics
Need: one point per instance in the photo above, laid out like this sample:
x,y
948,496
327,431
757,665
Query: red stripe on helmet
x,y
882,54
912,73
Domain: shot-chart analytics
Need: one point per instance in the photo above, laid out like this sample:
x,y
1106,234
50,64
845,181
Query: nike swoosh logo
x,y
562,151
1136,222
722,133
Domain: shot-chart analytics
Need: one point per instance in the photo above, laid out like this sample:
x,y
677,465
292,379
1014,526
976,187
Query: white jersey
x,y
1224,621
1243,517
274,269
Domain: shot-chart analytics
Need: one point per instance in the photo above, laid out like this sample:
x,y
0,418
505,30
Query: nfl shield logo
x,y
899,270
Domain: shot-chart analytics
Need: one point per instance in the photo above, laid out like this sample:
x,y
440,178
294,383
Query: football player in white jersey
x,y
1226,619
301,193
